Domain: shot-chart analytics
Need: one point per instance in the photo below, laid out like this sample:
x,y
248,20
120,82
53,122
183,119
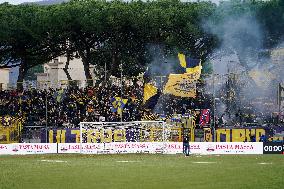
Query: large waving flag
x,y
182,85
191,65
118,104
151,96
149,91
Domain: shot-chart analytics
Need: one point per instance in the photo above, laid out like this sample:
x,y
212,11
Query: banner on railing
x,y
72,135
231,148
205,148
272,133
28,148
166,148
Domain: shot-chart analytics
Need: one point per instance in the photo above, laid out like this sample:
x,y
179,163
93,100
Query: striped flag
x,y
190,65
118,104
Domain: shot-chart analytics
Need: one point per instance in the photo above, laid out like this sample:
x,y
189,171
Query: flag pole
x,y
214,104
121,92
46,118
279,101
105,72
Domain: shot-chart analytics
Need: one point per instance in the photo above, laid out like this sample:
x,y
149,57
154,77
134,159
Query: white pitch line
x,y
203,162
53,161
127,161
264,163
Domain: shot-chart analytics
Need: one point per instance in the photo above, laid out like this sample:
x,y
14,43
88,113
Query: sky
x,y
22,1
16,1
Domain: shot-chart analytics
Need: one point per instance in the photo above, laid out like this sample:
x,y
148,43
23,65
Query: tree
x,y
102,33
58,26
82,28
123,43
23,39
271,16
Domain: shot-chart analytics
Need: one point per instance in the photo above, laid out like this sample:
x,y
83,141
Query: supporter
x,y
67,107
252,138
186,147
262,138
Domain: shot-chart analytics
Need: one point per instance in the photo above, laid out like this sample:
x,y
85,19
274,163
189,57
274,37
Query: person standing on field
x,y
186,147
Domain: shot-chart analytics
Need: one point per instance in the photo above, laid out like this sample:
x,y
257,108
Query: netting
x,y
131,137
124,137
138,131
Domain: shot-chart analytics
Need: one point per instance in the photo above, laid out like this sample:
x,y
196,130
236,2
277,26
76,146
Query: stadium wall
x,y
72,135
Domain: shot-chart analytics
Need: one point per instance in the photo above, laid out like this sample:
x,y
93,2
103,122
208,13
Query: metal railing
x,y
32,134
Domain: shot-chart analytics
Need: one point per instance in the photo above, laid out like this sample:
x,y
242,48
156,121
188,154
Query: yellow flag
x,y
182,60
183,85
196,70
191,65
149,91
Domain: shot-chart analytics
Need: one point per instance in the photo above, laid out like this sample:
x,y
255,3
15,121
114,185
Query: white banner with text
x,y
204,148
28,148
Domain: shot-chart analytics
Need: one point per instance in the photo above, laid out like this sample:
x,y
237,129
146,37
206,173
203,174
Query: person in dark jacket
x,y
263,138
252,138
186,147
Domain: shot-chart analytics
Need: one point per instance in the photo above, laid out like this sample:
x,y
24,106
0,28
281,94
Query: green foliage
x,y
271,16
31,73
118,32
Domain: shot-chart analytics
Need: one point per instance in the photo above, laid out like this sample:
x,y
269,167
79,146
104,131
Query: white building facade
x,y
5,77
55,77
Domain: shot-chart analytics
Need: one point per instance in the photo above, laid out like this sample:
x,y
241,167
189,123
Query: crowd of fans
x,y
69,106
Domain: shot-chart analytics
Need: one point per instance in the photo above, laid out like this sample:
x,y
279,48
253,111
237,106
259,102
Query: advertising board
x,y
273,148
166,148
231,148
28,148
204,148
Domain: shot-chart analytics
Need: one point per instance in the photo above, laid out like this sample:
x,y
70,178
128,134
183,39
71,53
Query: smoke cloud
x,y
246,77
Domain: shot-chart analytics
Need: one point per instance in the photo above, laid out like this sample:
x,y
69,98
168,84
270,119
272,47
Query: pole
x,y
161,83
121,92
105,72
164,137
81,137
279,102
214,104
46,118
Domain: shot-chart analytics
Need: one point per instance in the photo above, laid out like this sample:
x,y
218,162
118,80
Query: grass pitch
x,y
141,171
